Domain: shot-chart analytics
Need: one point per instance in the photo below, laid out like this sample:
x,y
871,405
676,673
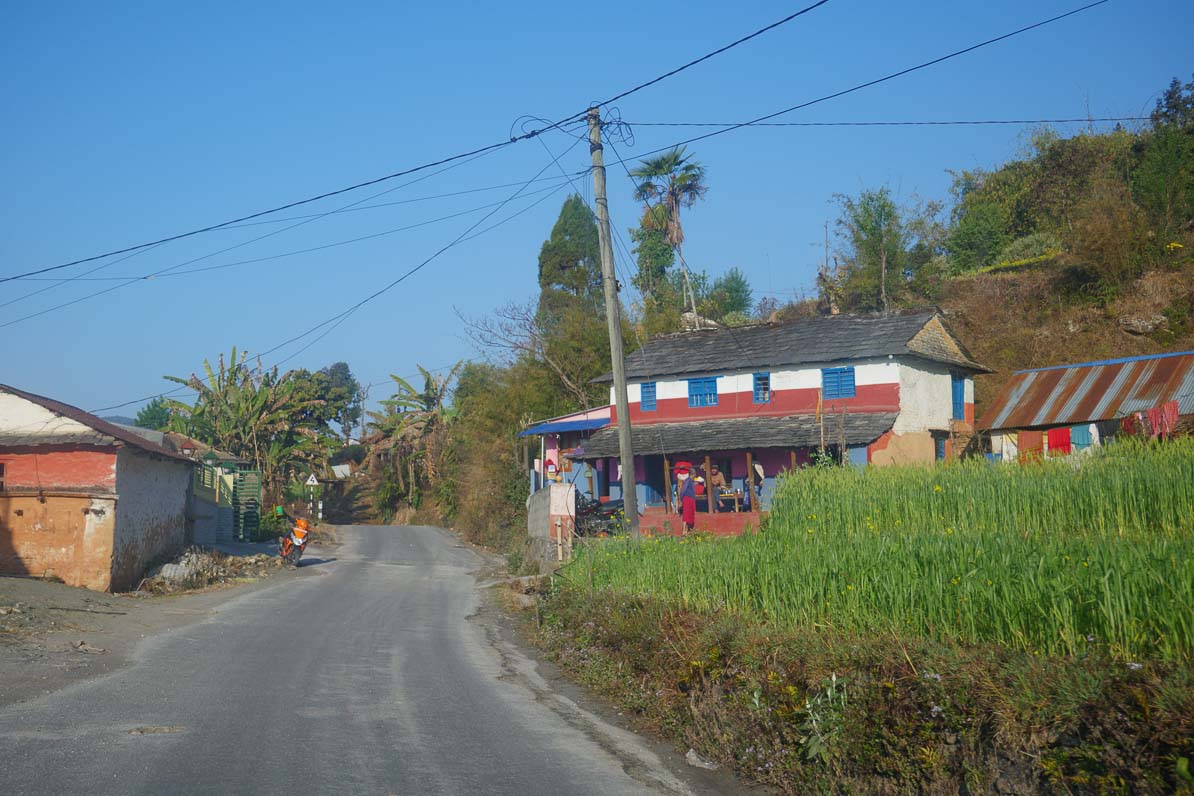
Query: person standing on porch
x,y
687,499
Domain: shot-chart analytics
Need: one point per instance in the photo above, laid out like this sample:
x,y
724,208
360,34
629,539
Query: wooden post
x,y
708,482
750,480
667,484
793,460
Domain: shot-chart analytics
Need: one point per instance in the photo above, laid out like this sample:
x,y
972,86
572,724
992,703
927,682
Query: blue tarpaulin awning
x,y
560,426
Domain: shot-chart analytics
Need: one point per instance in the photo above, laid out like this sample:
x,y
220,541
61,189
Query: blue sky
x,y
125,122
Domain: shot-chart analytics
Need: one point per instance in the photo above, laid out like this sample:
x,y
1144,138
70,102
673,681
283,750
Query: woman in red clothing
x,y
687,498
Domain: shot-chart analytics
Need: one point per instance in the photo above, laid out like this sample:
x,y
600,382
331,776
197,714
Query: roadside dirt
x,y
53,635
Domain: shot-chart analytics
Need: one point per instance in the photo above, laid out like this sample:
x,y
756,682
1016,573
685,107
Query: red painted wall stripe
x,y
867,398
59,470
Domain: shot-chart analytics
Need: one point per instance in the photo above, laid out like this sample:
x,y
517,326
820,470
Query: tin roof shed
x,y
1092,391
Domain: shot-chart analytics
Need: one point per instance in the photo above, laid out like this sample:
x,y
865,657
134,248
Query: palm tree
x,y
669,182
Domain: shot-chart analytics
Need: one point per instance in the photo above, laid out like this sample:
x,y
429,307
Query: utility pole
x,y
613,317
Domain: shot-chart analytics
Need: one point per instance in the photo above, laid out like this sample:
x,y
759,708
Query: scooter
x,y
292,545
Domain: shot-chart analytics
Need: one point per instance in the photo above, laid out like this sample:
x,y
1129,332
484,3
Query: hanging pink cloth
x,y
1163,419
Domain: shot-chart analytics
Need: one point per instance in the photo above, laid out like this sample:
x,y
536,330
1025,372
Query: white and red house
x,y
84,500
868,390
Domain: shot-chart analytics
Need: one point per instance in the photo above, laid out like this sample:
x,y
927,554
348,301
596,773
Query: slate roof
x,y
808,341
793,431
98,432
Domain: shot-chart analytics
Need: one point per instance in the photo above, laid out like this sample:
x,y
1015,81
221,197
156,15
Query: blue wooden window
x,y
939,448
702,392
647,401
1080,437
837,383
762,388
957,385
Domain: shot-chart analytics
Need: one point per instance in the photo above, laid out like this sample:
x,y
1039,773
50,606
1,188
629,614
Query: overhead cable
x,y
921,123
422,167
877,81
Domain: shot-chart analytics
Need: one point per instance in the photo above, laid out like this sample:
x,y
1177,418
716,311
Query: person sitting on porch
x,y
687,499
717,482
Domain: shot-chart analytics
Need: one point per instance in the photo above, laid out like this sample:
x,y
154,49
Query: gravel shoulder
x,y
53,635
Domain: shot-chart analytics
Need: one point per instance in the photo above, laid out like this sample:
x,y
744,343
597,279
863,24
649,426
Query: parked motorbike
x,y
594,517
292,545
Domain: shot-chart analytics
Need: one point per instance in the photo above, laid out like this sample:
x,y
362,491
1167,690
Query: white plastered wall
x,y
865,373
150,512
27,418
926,397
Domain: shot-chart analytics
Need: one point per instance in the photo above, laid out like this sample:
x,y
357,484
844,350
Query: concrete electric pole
x,y
613,317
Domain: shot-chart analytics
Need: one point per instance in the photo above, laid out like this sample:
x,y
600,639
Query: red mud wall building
x,y
83,500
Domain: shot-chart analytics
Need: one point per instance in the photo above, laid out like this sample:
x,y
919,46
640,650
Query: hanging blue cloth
x,y
1080,437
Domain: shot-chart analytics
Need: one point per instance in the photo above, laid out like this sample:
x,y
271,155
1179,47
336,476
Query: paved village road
x,y
360,674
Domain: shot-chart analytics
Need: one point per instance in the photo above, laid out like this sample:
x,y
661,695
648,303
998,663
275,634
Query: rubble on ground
x,y
198,568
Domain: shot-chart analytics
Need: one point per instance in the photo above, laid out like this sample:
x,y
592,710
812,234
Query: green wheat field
x,y
1060,557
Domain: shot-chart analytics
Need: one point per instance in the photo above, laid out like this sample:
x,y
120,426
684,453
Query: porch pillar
x,y
793,460
708,482
750,480
667,484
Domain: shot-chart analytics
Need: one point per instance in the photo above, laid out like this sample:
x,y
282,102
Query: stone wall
x,y
151,513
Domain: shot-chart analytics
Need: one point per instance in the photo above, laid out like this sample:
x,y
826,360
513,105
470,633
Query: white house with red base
x,y
759,400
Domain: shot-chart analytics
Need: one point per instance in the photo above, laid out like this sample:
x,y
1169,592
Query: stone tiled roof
x,y
793,431
94,431
809,341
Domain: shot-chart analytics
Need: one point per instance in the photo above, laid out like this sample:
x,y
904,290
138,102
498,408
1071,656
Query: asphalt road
x,y
365,672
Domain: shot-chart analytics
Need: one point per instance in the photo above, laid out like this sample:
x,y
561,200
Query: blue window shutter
x,y
837,383
762,388
939,448
702,392
647,400
958,386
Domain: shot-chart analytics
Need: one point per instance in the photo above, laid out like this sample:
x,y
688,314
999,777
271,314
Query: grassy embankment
x,y
996,628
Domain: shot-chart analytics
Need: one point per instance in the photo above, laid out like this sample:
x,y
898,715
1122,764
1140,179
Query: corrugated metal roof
x,y
1092,391
562,426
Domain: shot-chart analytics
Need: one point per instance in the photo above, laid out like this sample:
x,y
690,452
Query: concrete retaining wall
x,y
553,502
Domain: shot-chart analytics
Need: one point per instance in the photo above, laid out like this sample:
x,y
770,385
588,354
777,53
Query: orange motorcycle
x,y
292,545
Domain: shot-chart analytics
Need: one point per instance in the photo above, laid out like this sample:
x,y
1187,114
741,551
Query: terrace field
x,y
963,628
1054,558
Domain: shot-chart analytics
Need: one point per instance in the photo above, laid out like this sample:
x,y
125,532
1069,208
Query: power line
x,y
716,52
242,244
336,320
170,238
281,255
450,159
877,81
925,123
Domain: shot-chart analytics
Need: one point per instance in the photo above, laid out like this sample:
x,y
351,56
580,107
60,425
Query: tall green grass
x,y
1054,558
